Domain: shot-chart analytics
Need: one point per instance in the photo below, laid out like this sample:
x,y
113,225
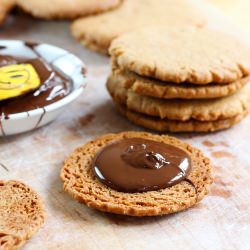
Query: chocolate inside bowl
x,y
54,85
37,81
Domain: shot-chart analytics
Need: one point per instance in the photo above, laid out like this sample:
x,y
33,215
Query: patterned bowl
x,y
66,63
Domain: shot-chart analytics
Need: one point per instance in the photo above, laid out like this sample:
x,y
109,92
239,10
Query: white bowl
x,y
66,63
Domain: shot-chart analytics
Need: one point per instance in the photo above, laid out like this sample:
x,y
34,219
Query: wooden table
x,y
220,221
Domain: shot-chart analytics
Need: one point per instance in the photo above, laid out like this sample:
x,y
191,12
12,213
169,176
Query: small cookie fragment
x,y
22,214
65,9
81,183
5,7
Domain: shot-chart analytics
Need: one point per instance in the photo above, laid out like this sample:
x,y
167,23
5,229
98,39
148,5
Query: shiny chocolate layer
x,y
139,165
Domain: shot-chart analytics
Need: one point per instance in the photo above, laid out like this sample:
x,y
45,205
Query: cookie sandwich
x,y
137,174
180,79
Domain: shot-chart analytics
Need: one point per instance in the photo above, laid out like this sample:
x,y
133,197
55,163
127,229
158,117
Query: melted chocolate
x,y
138,165
53,88
193,185
31,45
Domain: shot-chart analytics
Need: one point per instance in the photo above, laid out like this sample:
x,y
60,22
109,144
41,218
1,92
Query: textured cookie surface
x,y
10,242
81,183
183,110
97,32
198,56
5,7
165,125
21,212
167,90
65,8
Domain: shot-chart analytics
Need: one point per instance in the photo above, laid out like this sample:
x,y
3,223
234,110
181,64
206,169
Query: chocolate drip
x,y
192,184
31,45
4,167
41,118
1,127
138,165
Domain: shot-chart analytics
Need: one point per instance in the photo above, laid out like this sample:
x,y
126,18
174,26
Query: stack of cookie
x,y
180,79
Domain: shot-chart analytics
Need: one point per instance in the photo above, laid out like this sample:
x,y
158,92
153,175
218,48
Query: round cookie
x,y
166,125
97,32
21,211
198,56
167,90
183,110
5,7
81,183
65,8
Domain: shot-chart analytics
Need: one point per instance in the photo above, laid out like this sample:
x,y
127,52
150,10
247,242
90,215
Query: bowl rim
x,y
75,92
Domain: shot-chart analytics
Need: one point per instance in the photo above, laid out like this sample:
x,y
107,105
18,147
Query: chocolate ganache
x,y
53,85
139,165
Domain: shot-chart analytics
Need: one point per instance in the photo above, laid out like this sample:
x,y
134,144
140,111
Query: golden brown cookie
x,y
198,56
10,242
65,9
183,110
166,90
21,211
165,125
5,7
98,31
80,182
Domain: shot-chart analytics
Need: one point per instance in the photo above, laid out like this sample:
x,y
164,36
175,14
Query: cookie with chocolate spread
x,y
5,7
97,32
65,9
137,174
183,110
22,214
167,90
194,56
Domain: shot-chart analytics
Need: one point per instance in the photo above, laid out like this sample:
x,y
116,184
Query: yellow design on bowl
x,y
17,79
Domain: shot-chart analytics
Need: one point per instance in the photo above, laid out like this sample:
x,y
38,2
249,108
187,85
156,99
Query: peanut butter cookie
x,y
198,56
183,110
21,212
97,32
166,125
65,9
167,90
